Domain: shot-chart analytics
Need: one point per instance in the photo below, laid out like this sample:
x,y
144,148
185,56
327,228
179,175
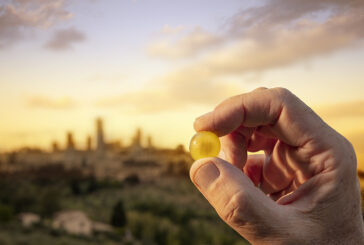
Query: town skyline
x,y
95,141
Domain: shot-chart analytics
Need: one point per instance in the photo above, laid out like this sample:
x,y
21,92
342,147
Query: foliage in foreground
x,y
166,211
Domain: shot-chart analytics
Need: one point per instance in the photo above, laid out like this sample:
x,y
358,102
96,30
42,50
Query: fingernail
x,y
206,174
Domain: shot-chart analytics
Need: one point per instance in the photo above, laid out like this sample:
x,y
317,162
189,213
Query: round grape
x,y
204,144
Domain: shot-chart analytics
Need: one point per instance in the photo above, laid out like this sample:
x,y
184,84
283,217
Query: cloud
x,y
172,96
169,30
343,110
107,77
17,17
286,47
274,34
277,33
45,102
188,45
285,13
65,38
141,101
248,56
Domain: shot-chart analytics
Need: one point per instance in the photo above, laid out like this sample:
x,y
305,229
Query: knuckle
x,y
342,149
234,209
243,217
260,89
282,91
283,94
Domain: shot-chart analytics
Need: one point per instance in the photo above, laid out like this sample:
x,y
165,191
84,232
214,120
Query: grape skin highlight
x,y
204,144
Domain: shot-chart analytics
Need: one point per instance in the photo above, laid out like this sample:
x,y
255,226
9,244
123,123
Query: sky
x,y
159,64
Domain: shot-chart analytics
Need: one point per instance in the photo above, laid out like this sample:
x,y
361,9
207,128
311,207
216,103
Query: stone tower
x,y
100,143
70,142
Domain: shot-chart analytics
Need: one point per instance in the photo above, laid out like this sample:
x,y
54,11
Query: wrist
x,y
340,235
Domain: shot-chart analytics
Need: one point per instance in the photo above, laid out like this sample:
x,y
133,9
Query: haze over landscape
x,y
159,64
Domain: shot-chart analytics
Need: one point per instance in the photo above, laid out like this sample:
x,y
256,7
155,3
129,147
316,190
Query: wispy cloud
x,y
141,101
274,14
165,96
65,38
277,33
18,17
171,30
188,45
46,102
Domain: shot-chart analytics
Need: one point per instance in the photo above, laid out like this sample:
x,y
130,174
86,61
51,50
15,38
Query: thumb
x,y
237,201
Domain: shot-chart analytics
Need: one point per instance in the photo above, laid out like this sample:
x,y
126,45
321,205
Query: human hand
x,y
303,190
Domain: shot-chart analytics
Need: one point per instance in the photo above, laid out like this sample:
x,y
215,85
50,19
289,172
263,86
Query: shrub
x,y
132,179
153,229
92,185
75,187
6,213
49,203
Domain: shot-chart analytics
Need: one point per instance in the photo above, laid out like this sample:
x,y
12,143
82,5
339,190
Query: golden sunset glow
x,y
157,65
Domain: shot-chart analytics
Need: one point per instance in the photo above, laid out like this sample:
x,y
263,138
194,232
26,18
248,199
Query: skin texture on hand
x,y
303,190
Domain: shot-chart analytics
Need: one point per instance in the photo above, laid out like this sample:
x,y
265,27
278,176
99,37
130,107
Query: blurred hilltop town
x,y
108,194
108,160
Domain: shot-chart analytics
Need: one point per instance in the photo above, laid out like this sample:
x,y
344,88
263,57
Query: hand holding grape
x,y
303,190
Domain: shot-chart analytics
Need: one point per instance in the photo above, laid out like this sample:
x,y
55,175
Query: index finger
x,y
291,120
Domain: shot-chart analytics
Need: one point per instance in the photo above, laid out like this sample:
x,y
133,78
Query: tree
x,y
118,216
75,187
49,203
92,185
